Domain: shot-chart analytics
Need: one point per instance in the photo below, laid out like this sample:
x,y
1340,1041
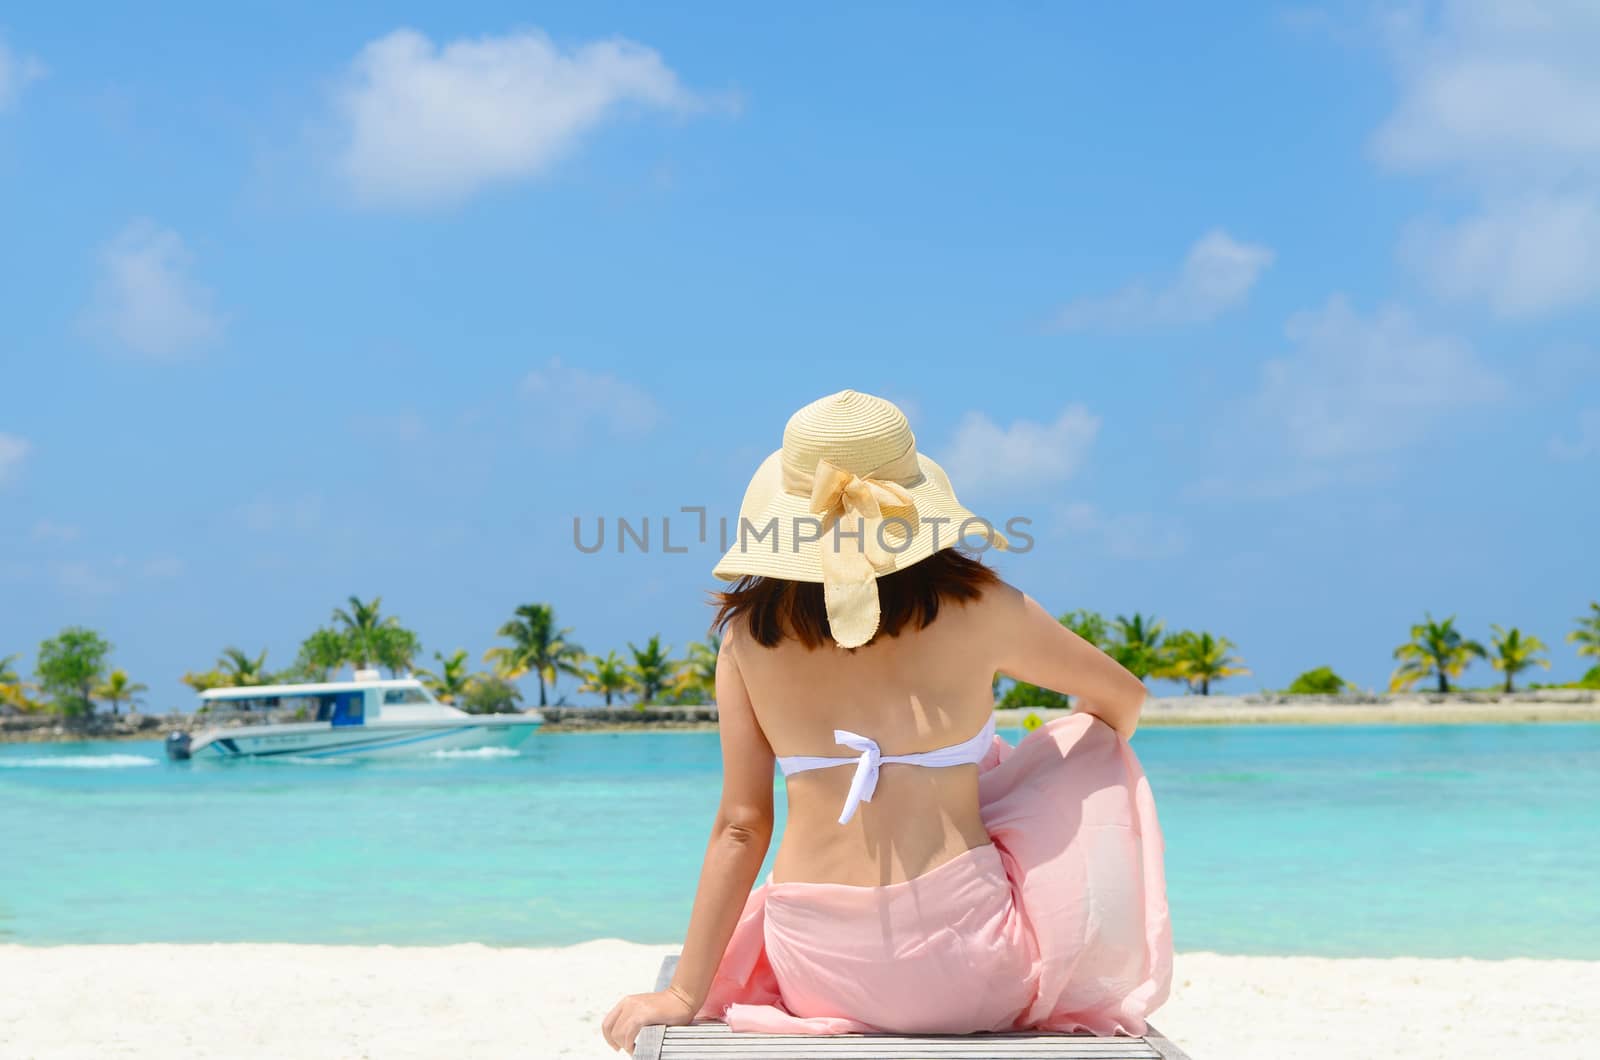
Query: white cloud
x,y
267,515
1217,275
83,578
49,530
420,124
1502,101
987,458
13,451
16,72
146,300
1354,385
1585,444
1275,485
162,567
1523,256
1125,536
573,402
400,425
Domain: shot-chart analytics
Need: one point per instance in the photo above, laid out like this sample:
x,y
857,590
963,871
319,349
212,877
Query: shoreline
x,y
231,1000
1246,716
1474,708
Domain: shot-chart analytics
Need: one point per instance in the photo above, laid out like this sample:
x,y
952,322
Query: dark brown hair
x,y
775,608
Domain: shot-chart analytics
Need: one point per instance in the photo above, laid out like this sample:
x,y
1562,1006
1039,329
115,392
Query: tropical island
x,y
73,677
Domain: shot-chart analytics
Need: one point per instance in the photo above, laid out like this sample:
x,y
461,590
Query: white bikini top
x,y
865,782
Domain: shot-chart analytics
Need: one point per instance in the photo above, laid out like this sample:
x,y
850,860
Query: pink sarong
x,y
1060,924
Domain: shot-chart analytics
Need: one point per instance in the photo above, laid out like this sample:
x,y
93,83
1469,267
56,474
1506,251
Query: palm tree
x,y
117,689
537,647
1437,649
1138,645
608,676
698,674
364,625
14,691
322,653
205,680
1514,653
1199,659
238,670
1587,635
652,668
1090,625
452,679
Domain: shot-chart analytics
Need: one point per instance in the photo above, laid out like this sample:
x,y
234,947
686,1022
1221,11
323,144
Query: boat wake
x,y
112,761
478,752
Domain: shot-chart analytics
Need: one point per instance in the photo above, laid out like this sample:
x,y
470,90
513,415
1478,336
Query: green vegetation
x,y
1587,635
696,681
1436,649
1587,638
14,691
1319,682
1514,653
450,682
1137,645
607,677
651,669
489,694
1199,659
70,665
321,654
240,670
1021,696
537,647
73,671
374,639
117,689
361,636
1090,625
475,693
1140,644
234,669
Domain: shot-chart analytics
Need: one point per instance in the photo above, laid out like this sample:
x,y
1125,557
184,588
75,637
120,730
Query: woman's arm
x,y
1036,648
739,836
739,839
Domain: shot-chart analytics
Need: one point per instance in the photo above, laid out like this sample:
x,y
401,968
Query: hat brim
x,y
777,532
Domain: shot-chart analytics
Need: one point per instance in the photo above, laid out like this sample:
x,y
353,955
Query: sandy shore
x,y
338,1003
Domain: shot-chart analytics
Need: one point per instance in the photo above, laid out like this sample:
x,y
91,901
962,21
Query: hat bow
x,y
851,506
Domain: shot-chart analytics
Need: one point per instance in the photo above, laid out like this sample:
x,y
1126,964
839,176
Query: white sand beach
x,y
337,1003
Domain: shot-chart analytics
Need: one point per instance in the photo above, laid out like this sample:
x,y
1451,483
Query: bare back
x,y
921,690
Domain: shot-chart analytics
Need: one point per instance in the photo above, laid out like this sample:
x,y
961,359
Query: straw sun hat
x,y
847,499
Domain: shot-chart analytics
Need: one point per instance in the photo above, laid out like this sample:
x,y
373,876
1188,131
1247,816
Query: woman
x,y
931,878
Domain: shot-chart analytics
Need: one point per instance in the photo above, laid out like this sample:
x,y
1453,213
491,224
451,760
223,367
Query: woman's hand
x,y
637,1011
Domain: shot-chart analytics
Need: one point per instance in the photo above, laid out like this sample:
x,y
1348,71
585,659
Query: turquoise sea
x,y
1476,841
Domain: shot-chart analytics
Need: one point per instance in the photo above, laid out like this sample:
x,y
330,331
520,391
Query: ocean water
x,y
1478,841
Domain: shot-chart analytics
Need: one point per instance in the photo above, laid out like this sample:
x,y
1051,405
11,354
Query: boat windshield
x,y
310,707
397,696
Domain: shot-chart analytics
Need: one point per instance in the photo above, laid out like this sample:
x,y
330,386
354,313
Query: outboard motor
x,y
178,746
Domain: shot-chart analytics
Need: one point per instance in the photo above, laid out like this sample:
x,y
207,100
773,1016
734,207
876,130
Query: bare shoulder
x,y
992,618
1001,602
734,637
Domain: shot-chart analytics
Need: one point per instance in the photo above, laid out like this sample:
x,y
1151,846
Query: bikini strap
x,y
865,781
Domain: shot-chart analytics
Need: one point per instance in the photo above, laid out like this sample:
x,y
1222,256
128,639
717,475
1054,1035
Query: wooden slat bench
x,y
710,1040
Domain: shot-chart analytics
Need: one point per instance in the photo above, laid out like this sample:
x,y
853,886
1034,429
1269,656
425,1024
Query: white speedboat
x,y
367,718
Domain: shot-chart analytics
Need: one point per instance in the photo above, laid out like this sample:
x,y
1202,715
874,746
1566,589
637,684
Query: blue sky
x,y
1277,321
